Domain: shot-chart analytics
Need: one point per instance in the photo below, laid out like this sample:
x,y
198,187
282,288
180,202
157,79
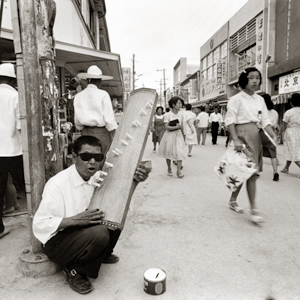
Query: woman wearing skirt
x,y
246,113
172,145
158,127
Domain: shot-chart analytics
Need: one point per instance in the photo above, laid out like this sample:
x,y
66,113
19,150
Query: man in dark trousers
x,y
11,159
71,232
215,119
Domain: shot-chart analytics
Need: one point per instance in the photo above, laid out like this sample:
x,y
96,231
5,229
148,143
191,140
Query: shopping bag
x,y
234,168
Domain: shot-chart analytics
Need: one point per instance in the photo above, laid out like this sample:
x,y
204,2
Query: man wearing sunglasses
x,y
71,233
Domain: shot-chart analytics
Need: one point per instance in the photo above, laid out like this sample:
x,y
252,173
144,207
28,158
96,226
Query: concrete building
x,y
81,40
247,39
185,81
284,59
214,61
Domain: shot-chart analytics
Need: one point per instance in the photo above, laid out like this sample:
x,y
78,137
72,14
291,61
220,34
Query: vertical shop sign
x,y
259,41
127,79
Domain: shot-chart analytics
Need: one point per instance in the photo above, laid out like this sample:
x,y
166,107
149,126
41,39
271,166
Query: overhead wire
x,y
195,10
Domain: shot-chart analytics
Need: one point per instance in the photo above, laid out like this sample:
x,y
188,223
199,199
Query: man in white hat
x,y
94,113
10,134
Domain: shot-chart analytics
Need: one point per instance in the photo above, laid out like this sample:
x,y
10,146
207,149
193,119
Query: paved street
x,y
185,227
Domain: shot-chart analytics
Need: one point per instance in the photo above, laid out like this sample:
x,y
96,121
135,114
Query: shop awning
x,y
280,99
199,103
77,59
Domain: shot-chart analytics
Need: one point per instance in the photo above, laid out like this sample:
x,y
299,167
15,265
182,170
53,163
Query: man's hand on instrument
x,y
141,174
88,217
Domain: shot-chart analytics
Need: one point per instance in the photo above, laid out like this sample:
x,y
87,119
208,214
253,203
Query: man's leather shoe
x,y
111,259
78,283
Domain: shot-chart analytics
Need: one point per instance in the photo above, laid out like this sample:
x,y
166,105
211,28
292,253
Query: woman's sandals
x,y
255,216
236,207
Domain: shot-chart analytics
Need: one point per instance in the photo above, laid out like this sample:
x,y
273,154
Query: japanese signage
x,y
127,79
259,41
211,89
289,83
193,90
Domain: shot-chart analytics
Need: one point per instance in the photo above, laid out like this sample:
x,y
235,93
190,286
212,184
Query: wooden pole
x,y
32,114
45,14
38,98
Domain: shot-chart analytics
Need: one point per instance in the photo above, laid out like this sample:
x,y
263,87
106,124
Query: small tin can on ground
x,y
155,281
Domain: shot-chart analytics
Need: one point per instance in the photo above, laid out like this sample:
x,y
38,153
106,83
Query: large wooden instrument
x,y
123,158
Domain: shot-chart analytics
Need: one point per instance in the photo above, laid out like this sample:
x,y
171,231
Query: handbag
x,y
234,168
174,122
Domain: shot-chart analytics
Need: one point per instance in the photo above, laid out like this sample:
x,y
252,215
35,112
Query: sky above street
x,y
160,32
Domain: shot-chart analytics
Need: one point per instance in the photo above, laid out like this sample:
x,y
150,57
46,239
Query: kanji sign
x,y
289,83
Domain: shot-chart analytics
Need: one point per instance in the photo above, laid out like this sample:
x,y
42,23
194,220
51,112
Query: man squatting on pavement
x,y
71,234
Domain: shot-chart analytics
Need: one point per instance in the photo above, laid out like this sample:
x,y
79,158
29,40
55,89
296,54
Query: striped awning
x,y
280,99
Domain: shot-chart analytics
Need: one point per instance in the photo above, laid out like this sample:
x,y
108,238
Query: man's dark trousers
x,y
14,166
214,131
82,248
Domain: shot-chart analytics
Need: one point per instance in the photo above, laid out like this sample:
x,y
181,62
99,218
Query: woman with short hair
x,y
172,145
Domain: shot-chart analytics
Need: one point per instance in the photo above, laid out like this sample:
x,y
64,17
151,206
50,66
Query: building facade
x,y
185,81
213,71
81,40
284,61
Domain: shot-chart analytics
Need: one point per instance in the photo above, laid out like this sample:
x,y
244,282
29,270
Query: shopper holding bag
x,y
242,120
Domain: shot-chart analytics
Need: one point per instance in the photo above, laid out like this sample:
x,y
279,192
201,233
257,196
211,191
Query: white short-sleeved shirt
x,y
10,126
273,117
243,108
170,116
292,117
93,108
65,195
215,117
203,118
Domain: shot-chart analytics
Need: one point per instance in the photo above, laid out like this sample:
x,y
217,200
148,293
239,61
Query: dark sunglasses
x,y
88,156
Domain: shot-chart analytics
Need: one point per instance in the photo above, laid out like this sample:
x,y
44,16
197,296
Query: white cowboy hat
x,y
7,70
93,72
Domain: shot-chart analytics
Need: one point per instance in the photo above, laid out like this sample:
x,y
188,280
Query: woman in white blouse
x,y
246,112
172,145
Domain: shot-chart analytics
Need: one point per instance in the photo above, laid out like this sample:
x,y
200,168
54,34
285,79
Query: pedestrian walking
x,y
93,109
291,133
158,127
11,159
269,150
215,120
172,145
190,130
10,196
242,118
202,124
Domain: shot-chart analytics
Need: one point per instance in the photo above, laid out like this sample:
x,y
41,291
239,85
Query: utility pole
x,y
133,71
164,80
38,100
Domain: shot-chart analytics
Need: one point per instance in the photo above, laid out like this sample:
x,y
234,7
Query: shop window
x,y
224,50
246,58
244,34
